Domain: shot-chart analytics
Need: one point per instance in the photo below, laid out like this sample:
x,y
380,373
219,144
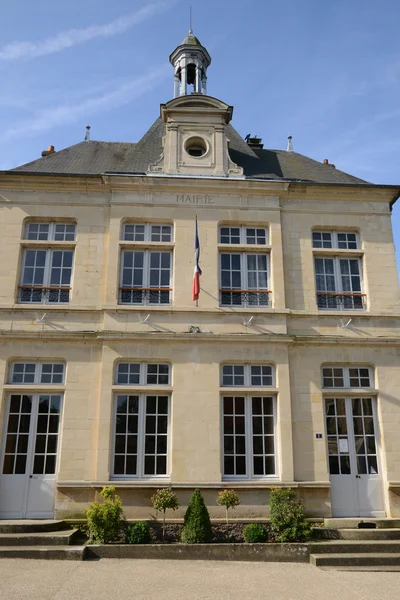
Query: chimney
x,y
326,162
255,143
50,150
289,144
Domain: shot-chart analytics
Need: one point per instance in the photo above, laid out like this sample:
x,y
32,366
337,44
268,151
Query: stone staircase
x,y
370,544
40,539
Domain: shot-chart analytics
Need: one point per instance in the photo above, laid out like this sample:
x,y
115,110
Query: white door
x,y
356,483
29,456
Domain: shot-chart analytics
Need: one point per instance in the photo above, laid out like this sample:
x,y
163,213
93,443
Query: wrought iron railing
x,y
343,301
234,297
134,295
37,294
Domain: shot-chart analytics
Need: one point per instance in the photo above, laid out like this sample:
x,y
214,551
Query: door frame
x,y
348,398
31,445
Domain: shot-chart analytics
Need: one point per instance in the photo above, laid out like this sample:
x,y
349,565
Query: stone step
x,y
356,560
324,533
44,538
354,522
31,526
44,552
355,546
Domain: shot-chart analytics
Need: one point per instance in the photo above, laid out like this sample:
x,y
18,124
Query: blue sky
x,y
327,73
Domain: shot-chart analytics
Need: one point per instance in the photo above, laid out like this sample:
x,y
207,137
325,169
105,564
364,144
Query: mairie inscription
x,y
195,199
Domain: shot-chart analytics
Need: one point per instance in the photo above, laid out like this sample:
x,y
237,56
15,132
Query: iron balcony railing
x,y
343,300
235,297
134,295
38,294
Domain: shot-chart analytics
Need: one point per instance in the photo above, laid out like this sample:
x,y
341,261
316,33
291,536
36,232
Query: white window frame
x,y
38,374
52,233
148,232
248,435
346,377
142,390
247,375
47,271
335,242
243,236
146,289
244,290
339,284
143,373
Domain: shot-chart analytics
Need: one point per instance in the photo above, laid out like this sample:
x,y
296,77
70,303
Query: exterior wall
x,y
94,331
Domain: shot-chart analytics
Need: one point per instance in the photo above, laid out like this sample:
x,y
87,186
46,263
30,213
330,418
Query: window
x,y
335,239
247,375
243,235
347,377
57,232
36,373
141,422
338,278
244,279
46,272
249,445
146,274
138,232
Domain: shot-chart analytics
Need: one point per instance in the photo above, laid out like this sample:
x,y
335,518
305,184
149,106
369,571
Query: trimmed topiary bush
x,y
229,499
197,525
104,521
255,533
138,533
288,523
164,498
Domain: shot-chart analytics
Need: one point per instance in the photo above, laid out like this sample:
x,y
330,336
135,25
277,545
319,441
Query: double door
x,y
355,473
29,456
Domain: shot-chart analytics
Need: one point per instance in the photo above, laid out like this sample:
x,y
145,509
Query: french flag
x,y
197,270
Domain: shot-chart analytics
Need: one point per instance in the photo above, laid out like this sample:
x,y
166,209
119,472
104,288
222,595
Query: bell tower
x,y
190,61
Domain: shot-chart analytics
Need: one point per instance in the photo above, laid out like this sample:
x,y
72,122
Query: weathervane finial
x,y
190,21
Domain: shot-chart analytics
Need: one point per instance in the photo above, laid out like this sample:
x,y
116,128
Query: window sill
x,y
356,253
362,392
47,244
34,387
126,245
159,389
254,390
244,248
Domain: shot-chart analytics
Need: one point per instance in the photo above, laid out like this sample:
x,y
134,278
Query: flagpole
x,y
197,301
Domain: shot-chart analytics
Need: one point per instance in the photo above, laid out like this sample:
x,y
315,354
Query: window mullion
x,y
248,437
141,435
146,275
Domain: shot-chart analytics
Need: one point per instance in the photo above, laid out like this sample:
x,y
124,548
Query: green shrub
x,y
287,516
255,533
138,533
164,498
229,499
197,525
104,521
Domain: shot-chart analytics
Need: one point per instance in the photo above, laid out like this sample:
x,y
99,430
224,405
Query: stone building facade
x,y
287,373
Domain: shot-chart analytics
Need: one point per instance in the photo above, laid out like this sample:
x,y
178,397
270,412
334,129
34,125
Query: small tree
x,y
229,499
105,520
197,525
287,519
164,498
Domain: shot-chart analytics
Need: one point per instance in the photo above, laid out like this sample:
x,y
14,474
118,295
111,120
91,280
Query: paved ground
x,y
184,580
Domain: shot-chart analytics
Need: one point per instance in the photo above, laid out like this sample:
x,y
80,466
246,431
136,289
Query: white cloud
x,y
63,114
72,37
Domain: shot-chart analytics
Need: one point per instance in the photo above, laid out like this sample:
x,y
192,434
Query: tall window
x,y
244,276
248,422
33,419
47,265
338,278
141,421
146,270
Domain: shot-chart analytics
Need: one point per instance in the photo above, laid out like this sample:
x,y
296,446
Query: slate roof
x,y
96,158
